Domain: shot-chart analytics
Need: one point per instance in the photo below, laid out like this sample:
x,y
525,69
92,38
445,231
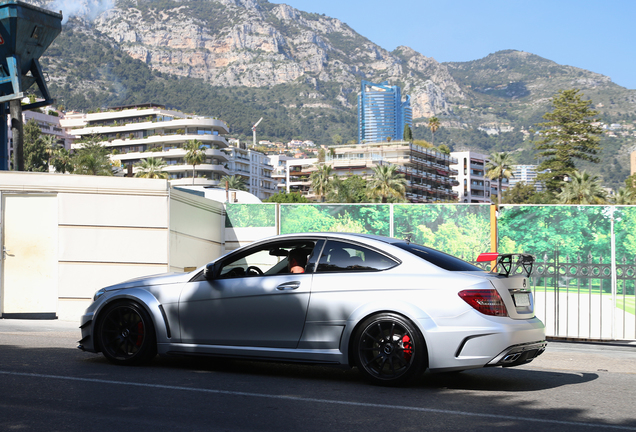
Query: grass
x,y
628,305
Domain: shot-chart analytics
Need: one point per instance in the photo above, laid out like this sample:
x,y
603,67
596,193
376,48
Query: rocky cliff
x,y
251,43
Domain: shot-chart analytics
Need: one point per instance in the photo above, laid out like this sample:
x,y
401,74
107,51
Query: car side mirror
x,y
208,271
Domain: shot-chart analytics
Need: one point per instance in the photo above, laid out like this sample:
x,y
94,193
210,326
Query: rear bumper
x,y
518,354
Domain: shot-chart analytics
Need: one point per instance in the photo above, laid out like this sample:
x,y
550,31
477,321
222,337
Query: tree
x,y
443,148
625,196
92,159
582,189
35,157
630,184
62,161
151,167
498,167
433,125
408,133
320,180
233,182
195,155
352,189
50,145
387,183
322,155
284,197
520,193
337,139
568,134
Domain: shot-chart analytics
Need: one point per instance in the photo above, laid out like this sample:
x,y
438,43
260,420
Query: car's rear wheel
x,y
389,349
126,334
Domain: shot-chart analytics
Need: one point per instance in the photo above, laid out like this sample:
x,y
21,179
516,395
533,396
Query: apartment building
x,y
254,167
427,171
526,174
293,174
472,184
136,132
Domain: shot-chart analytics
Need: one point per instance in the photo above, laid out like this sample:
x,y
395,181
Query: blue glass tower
x,y
381,112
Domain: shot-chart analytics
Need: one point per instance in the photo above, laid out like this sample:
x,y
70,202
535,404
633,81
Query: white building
x,y
254,167
133,133
526,174
474,186
292,174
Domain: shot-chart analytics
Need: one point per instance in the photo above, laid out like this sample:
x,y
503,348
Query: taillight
x,y
486,301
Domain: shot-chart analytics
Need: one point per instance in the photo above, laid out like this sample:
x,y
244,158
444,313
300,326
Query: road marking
x,y
325,401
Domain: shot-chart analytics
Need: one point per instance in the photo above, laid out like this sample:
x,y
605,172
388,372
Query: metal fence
x,y
584,297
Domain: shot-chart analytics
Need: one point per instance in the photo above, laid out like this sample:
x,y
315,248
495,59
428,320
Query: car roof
x,y
343,235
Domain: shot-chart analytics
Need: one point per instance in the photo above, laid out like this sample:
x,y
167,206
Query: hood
x,y
147,281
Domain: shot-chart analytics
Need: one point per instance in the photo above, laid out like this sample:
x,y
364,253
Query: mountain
x,y
240,60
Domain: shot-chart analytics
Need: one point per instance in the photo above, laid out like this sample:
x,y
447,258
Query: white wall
x,y
112,229
196,230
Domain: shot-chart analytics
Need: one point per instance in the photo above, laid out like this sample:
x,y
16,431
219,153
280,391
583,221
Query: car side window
x,y
340,256
269,259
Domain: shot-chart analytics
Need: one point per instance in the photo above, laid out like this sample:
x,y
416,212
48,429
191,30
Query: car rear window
x,y
440,259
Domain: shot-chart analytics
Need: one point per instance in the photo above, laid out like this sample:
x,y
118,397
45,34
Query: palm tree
x,y
151,167
582,189
234,182
62,161
498,167
92,159
387,183
50,143
433,125
624,196
195,155
320,180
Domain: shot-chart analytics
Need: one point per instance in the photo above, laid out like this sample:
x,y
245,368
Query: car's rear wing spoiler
x,y
509,263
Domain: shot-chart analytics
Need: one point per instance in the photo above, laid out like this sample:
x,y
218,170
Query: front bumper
x,y
87,342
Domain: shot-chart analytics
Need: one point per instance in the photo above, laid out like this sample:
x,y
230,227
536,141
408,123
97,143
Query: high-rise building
x,y
381,113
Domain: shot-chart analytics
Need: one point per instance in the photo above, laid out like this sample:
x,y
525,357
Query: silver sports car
x,y
390,307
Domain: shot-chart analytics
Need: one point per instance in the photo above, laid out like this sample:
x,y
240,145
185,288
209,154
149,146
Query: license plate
x,y
521,299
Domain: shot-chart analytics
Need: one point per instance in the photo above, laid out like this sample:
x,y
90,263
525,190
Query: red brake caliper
x,y
140,333
408,347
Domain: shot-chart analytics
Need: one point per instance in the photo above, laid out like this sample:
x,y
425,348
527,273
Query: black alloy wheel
x,y
389,349
126,334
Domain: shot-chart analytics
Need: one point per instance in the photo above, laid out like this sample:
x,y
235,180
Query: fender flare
x,y
422,321
145,300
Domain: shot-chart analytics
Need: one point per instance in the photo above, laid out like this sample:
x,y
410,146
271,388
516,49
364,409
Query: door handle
x,y
288,286
6,251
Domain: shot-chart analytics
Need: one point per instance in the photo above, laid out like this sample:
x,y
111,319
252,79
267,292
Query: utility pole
x,y
254,132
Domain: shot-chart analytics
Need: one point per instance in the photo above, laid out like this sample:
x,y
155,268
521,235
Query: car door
x,y
252,300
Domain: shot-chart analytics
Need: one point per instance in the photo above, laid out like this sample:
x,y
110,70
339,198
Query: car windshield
x,y
440,259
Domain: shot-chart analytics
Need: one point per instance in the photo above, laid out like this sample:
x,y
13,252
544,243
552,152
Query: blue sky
x,y
599,36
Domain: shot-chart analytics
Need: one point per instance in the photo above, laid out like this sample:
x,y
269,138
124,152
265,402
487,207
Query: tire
x,y
126,334
389,350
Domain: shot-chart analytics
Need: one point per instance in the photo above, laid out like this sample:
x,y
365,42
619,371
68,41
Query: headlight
x,y
99,293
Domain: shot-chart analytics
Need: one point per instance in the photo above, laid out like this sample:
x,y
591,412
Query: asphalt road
x,y
46,384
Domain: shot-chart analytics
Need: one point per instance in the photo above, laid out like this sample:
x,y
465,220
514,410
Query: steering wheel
x,y
255,269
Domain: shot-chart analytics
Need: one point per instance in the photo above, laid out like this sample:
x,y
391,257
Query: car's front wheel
x,y
126,334
389,349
